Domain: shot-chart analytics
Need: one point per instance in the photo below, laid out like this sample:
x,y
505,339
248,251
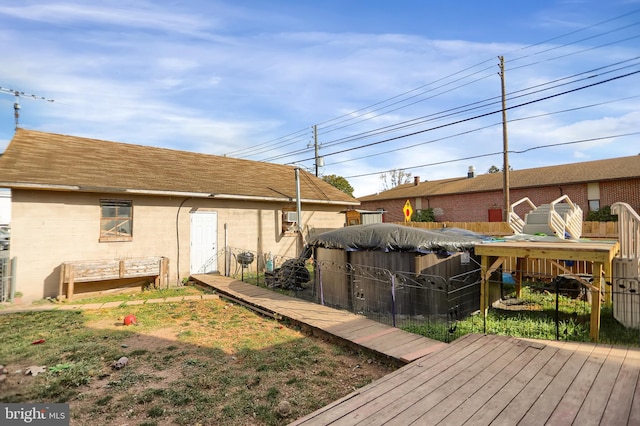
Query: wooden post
x,y
594,332
70,285
518,277
484,286
608,274
61,284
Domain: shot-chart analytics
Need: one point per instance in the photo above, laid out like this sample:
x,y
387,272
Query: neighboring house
x,y
591,185
76,199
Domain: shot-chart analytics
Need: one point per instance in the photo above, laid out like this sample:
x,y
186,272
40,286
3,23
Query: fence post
x,y
393,299
320,284
557,309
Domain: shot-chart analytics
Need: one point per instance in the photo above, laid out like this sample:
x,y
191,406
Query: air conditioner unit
x,y
291,217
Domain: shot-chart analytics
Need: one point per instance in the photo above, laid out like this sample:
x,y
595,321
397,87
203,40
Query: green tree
x,y
425,215
603,214
339,182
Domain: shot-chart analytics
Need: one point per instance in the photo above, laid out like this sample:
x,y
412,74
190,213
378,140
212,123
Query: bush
x,y
602,215
425,215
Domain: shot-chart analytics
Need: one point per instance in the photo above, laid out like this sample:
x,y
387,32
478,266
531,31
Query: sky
x,y
377,86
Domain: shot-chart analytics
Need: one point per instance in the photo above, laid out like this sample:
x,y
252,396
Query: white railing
x,y
626,267
570,222
628,229
516,222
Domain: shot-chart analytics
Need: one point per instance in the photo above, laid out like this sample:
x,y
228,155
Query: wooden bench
x,y
83,271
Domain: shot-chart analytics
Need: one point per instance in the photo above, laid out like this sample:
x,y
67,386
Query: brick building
x,y
480,198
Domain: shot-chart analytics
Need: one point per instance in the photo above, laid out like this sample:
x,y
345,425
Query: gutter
x,y
282,199
53,187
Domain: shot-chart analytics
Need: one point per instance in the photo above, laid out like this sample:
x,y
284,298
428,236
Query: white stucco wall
x,y
49,228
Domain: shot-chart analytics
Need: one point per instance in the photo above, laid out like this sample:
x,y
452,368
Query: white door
x,y
204,235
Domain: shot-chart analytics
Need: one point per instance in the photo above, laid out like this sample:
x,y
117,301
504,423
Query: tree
x,y
339,182
425,215
394,177
495,169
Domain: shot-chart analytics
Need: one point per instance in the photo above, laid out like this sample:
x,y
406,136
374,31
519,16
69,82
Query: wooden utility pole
x,y
315,143
505,147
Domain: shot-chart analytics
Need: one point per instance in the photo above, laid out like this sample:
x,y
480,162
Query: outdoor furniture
x,y
83,271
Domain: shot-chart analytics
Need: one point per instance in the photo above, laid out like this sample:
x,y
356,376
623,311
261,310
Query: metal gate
x,y
7,270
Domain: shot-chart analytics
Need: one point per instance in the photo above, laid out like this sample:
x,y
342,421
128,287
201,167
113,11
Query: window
x,y
594,205
116,220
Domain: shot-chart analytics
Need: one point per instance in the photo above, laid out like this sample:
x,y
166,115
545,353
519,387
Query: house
x,y
480,198
78,200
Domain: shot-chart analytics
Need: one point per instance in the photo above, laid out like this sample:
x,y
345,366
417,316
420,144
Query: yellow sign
x,y
408,211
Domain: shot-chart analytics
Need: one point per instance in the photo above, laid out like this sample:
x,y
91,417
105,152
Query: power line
x,y
480,115
483,62
478,105
356,116
482,128
498,153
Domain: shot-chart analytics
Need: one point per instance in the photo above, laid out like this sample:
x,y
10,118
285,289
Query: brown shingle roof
x,y
589,171
38,159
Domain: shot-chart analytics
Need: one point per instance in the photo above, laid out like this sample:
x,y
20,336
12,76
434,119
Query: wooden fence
x,y
607,230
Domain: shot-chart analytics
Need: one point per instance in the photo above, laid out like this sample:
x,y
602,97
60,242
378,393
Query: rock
x,y
34,370
3,377
121,363
284,408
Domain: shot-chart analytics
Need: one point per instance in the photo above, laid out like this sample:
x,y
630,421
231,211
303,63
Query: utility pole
x,y
18,94
315,144
505,147
319,160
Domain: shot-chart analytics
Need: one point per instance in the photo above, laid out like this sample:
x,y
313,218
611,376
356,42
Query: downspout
x,y
298,210
178,241
227,258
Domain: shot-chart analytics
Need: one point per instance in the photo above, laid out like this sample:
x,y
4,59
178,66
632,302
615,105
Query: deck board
x,y
575,395
542,409
618,409
596,401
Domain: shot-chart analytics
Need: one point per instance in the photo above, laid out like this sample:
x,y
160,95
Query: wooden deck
x,y
349,328
497,380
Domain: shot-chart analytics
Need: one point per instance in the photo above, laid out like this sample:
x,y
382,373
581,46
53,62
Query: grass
x,y
190,362
536,318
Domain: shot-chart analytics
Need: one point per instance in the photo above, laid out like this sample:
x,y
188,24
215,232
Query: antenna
x,y
18,94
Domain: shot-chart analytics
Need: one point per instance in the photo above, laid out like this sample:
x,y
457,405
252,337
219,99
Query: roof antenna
x,y
18,94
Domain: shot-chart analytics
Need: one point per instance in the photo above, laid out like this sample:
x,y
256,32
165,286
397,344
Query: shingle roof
x,y
45,160
589,171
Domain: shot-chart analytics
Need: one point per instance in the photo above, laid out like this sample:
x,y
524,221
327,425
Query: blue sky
x,y
407,84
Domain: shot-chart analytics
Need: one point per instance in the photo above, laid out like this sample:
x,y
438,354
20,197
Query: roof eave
x,y
78,188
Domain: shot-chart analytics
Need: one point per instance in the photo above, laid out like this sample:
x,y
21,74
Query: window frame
x,y
112,234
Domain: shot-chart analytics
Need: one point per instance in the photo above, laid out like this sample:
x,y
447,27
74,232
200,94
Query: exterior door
x,y
204,237
495,215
